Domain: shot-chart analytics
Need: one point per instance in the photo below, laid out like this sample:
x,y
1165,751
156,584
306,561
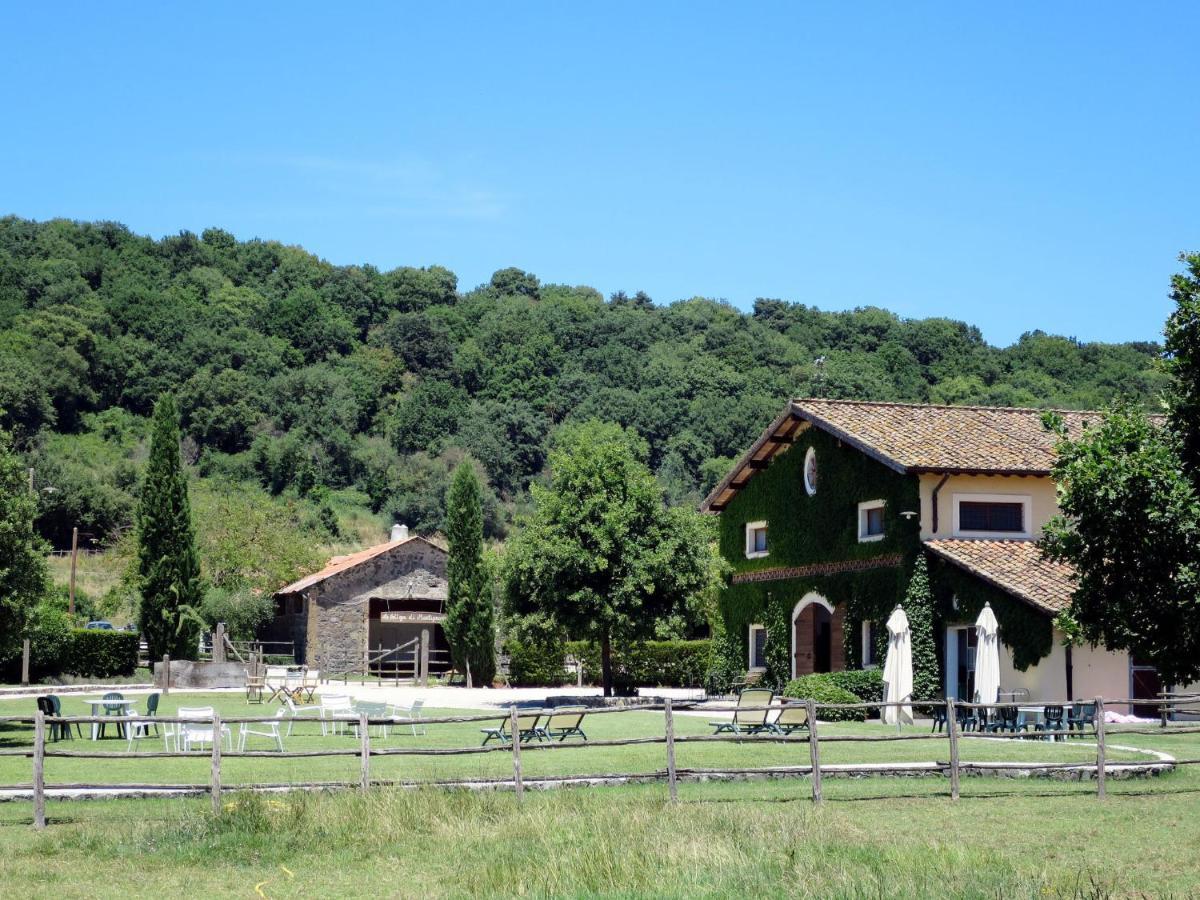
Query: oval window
x,y
810,471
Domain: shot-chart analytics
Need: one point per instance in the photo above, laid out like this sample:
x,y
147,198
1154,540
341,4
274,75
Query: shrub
x,y
102,654
866,684
49,631
532,664
821,688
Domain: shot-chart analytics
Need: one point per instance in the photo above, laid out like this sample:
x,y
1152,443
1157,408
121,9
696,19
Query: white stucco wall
x,y
1044,503
1096,672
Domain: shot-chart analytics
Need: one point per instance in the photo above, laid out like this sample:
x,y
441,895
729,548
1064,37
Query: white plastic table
x,y
98,703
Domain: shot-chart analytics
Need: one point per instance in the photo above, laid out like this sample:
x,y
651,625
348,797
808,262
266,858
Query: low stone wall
x,y
188,674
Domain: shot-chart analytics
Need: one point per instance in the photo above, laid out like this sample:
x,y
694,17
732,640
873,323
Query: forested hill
x,y
307,377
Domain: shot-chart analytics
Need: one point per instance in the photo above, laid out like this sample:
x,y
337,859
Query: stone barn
x,y
377,598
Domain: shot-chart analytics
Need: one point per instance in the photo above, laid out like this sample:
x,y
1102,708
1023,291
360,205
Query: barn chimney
x,y
399,533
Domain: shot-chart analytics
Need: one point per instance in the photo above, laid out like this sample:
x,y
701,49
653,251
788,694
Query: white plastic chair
x,y
334,705
295,712
405,715
135,730
263,729
202,731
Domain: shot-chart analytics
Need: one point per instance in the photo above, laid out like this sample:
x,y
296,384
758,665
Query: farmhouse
x,y
824,515
375,599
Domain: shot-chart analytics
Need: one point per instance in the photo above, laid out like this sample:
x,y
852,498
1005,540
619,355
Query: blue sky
x,y
1018,166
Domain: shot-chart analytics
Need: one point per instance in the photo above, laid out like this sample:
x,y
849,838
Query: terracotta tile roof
x,y
960,439
1016,567
909,437
341,563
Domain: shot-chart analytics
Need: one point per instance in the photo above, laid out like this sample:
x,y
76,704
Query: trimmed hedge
x,y
534,665
649,664
822,689
102,654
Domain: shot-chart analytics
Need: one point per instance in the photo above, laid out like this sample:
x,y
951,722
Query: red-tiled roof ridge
x,y
338,564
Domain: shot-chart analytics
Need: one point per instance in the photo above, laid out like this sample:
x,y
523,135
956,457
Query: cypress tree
x,y
469,624
168,565
918,606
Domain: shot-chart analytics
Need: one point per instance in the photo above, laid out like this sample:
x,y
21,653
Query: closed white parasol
x,y
987,656
897,670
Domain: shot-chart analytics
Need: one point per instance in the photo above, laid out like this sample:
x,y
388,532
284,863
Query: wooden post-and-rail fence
x,y
40,750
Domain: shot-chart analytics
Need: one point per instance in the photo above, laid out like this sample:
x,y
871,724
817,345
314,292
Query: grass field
x,y
877,837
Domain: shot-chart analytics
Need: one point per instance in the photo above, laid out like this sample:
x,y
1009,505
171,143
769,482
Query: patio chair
x,y
152,710
254,687
407,715
750,722
54,708
1006,718
263,729
333,706
527,728
793,717
1081,716
275,681
116,708
295,712
563,724
137,730
310,680
201,731
373,711
1052,719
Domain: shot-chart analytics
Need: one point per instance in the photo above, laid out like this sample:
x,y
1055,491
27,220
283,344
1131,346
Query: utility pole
x,y
74,556
31,490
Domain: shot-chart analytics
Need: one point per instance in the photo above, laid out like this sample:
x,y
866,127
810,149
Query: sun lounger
x,y
527,728
564,724
793,717
750,721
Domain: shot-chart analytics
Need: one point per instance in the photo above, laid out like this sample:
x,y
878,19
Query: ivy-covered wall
x,y
823,528
1028,633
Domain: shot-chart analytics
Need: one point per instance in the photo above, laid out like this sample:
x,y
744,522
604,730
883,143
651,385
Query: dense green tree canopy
x,y
23,576
469,622
293,371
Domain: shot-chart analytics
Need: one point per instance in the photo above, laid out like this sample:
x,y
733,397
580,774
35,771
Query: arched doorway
x,y
813,646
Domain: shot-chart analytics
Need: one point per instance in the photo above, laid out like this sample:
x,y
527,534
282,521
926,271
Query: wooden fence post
x,y
25,662
166,673
216,763
671,784
364,734
952,731
1101,789
39,770
514,731
424,657
814,750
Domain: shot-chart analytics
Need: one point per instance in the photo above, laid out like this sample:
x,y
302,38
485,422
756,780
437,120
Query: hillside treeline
x,y
306,377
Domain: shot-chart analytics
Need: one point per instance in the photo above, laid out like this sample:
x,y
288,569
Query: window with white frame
x,y
870,645
758,648
992,515
756,540
870,520
810,471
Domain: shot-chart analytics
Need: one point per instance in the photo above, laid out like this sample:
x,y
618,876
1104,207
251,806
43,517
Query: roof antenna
x,y
819,377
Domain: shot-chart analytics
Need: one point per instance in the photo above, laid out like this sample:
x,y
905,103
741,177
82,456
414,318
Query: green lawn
x,y
573,760
878,837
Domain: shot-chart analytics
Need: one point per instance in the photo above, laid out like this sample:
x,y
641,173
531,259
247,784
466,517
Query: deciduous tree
x,y
601,556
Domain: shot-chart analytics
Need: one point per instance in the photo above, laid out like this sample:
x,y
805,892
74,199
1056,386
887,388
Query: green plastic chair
x,y
114,709
152,710
55,709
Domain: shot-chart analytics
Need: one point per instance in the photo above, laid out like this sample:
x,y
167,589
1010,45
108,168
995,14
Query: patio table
x,y
98,703
1035,715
